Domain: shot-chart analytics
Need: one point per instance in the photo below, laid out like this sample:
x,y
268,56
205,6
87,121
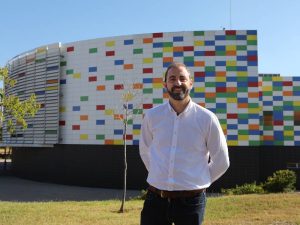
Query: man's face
x,y
178,83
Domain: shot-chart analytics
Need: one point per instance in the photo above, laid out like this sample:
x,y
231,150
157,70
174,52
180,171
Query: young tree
x,y
130,100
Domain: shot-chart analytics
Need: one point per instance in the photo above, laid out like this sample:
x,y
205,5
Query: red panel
x,y
287,83
209,53
70,49
220,89
252,58
75,127
128,137
199,74
147,106
278,122
157,35
230,32
94,78
147,70
119,86
100,107
62,123
110,53
232,116
252,84
188,48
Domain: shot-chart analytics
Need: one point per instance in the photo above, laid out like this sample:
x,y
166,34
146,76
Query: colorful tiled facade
x,y
253,110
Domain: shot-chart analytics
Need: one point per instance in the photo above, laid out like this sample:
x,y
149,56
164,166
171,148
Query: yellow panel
x,y
110,43
77,75
199,89
277,79
231,100
84,136
242,74
288,133
254,110
157,85
136,132
109,111
243,137
296,103
51,88
232,143
230,63
41,50
62,109
147,60
230,47
251,37
220,79
118,142
198,43
168,49
266,88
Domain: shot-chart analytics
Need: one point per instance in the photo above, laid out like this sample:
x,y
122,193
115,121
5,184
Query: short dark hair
x,y
175,65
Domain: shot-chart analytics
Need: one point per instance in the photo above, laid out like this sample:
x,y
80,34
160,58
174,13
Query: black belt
x,y
175,194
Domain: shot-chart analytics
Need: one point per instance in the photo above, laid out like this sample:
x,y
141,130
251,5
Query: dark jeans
x,y
180,211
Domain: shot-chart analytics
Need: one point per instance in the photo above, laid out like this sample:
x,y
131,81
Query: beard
x,y
182,94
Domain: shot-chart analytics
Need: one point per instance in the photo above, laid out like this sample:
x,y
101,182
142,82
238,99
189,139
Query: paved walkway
x,y
17,189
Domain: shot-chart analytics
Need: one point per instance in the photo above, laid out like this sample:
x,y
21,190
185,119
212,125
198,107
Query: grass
x,y
279,209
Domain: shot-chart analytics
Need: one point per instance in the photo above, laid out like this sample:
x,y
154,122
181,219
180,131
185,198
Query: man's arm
x,y
218,150
145,141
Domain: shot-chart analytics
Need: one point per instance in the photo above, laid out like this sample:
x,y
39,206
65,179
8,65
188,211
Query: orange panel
x,y
100,87
199,63
84,117
147,40
128,66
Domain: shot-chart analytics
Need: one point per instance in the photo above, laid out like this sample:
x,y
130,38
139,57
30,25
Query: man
x,y
184,150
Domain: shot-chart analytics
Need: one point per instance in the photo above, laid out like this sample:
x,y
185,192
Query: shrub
x,y
281,181
251,188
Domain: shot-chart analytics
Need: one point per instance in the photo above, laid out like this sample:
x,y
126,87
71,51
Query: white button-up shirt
x,y
176,148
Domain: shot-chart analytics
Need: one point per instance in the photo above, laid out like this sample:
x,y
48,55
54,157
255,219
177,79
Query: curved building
x,y
77,136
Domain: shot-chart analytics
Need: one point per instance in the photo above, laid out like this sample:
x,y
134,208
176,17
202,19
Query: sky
x,y
29,24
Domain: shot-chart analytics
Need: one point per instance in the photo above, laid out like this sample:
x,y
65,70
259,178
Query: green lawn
x,y
245,209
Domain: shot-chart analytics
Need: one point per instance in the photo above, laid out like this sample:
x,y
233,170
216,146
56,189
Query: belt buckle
x,y
162,195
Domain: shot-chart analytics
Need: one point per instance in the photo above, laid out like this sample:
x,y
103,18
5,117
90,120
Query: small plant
x,y
281,181
251,188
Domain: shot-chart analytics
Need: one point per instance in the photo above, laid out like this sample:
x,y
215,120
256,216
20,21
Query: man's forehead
x,y
178,70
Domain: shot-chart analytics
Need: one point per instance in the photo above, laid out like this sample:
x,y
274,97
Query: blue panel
x,y
241,58
118,132
243,121
199,53
100,122
93,69
220,37
231,79
147,80
199,95
297,132
277,84
242,100
177,38
220,48
232,126
210,74
278,115
278,135
76,108
189,63
296,93
166,64
158,45
241,37
297,143
288,108
251,32
242,84
252,53
130,106
242,68
253,116
39,92
135,142
199,79
63,81
252,63
277,98
128,42
220,84
268,143
177,54
253,79
296,78
221,105
254,132
267,103
119,62
136,126
232,137
49,68
220,63
209,43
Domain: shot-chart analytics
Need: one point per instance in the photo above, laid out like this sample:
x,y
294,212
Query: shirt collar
x,y
187,108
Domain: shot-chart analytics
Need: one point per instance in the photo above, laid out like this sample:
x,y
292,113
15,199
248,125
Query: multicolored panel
x,y
280,98
96,73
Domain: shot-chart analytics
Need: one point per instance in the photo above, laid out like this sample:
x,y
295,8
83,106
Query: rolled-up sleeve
x,y
218,150
145,141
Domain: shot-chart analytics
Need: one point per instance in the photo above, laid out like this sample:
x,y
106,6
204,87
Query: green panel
x,y
93,50
188,59
157,101
278,142
254,143
221,110
231,95
168,44
220,53
157,55
138,51
221,95
148,90
230,37
242,89
267,93
100,136
288,118
84,98
210,100
230,68
252,42
198,33
288,127
243,116
21,93
288,103
267,79
277,88
289,138
50,131
137,111
40,60
241,48
242,79
70,71
278,108
296,88
210,69
210,84
129,122
296,108
109,77
267,127
63,63
253,105
223,121
243,132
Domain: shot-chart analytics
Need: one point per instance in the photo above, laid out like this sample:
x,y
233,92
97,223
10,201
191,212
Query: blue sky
x,y
32,23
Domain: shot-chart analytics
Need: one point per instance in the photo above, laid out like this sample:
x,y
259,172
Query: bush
x,y
281,181
251,188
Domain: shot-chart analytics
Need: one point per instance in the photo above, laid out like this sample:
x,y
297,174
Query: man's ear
x,y
165,84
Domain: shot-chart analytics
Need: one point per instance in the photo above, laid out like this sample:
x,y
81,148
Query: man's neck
x,y
179,106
